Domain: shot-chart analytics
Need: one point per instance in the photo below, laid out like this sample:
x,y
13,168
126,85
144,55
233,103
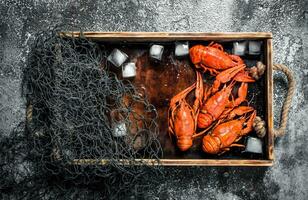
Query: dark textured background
x,y
287,20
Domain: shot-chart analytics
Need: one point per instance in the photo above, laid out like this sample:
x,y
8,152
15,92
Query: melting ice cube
x,y
254,47
253,145
156,51
239,48
120,130
117,57
129,70
181,49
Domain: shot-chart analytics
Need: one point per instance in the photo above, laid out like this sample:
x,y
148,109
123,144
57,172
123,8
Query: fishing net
x,y
69,145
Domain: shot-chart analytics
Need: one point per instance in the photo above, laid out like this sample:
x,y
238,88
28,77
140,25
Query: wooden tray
x,y
162,83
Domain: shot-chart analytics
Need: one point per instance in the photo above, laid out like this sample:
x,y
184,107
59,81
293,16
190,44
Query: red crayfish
x,y
182,117
226,134
213,58
216,104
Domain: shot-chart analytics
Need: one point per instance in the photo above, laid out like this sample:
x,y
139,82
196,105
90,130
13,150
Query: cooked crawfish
x,y
182,117
213,58
214,106
225,135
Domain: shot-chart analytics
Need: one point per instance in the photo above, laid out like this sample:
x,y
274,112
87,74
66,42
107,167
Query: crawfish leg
x,y
181,95
228,149
203,131
170,132
239,111
243,76
226,76
227,111
217,46
171,118
171,121
170,128
198,93
237,145
212,71
211,43
224,151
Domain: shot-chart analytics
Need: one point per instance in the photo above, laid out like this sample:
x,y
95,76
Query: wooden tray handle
x,y
287,103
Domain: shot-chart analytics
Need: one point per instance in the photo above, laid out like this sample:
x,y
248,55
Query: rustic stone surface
x,y
287,20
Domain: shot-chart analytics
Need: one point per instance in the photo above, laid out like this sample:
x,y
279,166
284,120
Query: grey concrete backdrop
x,y
286,19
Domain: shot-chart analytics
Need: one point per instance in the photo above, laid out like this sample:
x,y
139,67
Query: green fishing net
x,y
67,147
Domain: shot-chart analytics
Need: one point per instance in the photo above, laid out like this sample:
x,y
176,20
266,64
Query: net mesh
x,y
68,147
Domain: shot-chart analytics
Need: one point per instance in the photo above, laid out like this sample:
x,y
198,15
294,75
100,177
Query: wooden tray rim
x,y
141,36
173,36
180,162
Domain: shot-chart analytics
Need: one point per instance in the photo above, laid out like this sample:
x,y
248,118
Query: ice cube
x,y
253,145
239,48
117,57
156,51
181,49
120,130
129,70
254,47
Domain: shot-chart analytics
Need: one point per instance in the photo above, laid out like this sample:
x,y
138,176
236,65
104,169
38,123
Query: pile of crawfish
x,y
220,116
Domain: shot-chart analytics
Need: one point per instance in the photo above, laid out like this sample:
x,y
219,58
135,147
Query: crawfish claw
x,y
249,123
244,77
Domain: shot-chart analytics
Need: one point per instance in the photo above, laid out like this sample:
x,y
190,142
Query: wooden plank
x,y
214,162
167,36
269,92
180,162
